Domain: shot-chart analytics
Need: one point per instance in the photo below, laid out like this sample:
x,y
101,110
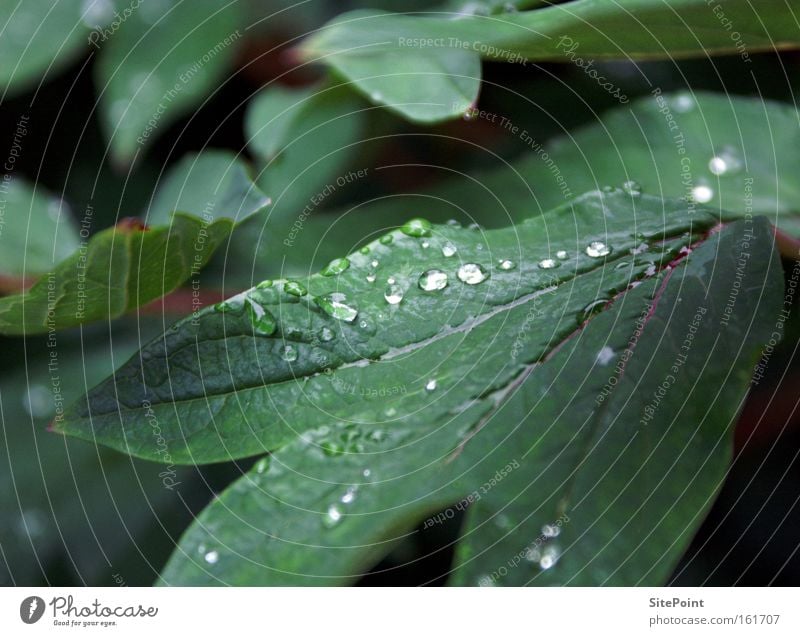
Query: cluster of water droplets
x,y
545,552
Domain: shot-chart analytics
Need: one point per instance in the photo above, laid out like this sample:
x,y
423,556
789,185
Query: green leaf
x,y
663,143
40,38
36,230
395,59
160,63
615,430
213,184
220,382
303,138
124,267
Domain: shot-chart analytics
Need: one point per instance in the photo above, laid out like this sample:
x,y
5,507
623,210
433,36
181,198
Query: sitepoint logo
x,y
31,609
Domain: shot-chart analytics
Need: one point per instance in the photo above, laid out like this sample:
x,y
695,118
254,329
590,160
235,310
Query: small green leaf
x,y
608,440
36,230
163,60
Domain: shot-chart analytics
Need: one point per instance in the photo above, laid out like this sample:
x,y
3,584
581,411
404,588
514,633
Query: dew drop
x,y
211,557
335,267
264,284
374,264
349,496
262,465
506,264
263,321
448,250
365,249
233,305
431,385
726,161
591,309
550,556
433,280
366,472
550,531
326,335
472,273
288,353
474,226
683,103
598,249
562,255
548,263
453,223
294,288
335,305
702,193
417,228
371,277
633,188
332,517
386,239
393,294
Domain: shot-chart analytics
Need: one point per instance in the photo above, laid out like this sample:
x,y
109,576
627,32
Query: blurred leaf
x,y
427,67
40,38
754,145
304,139
512,420
36,230
213,184
73,511
165,59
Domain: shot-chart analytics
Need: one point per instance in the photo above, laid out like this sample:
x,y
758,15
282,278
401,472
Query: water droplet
x,y
350,495
453,223
335,267
430,385
632,188
262,465
365,249
683,103
469,114
211,557
506,264
548,263
367,326
562,255
550,531
509,7
390,411
371,277
332,517
264,284
294,288
234,305
448,250
533,553
608,189
391,280
374,264
326,335
386,239
726,161
472,273
550,556
335,305
393,294
702,193
591,309
417,227
331,448
367,472
433,280
425,245
598,249
263,321
288,353
474,226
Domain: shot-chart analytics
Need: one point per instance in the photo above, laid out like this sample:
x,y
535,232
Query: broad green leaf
x,y
758,141
303,138
36,230
616,430
40,38
395,59
221,381
213,184
165,59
